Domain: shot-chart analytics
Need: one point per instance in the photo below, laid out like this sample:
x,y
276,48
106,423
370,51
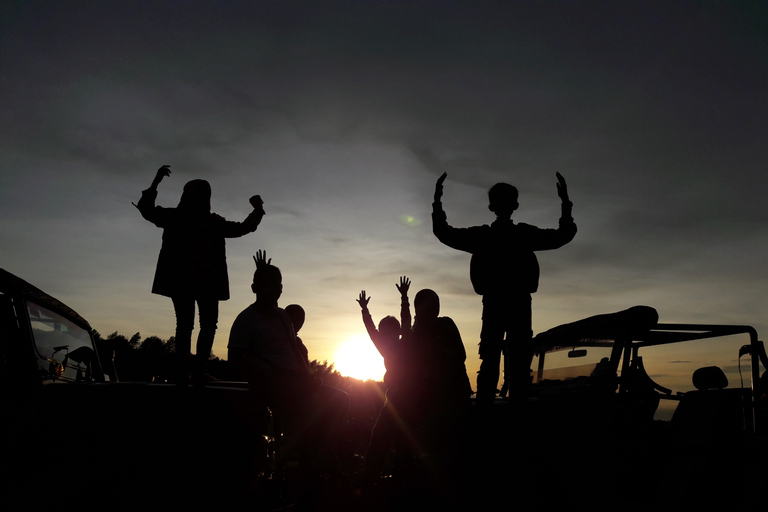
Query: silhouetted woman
x,y
192,266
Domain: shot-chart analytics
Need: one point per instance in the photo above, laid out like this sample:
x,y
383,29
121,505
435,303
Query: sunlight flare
x,y
358,358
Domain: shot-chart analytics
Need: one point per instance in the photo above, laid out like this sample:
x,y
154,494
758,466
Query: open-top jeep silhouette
x,y
626,411
621,345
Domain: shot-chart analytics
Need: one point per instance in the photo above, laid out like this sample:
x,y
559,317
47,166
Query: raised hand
x,y
562,188
404,285
162,172
261,259
257,203
363,300
439,187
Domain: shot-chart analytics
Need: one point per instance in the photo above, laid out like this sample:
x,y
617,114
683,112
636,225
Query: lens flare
x,y
410,220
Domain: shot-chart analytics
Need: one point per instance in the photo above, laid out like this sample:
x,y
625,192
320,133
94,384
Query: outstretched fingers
x,y
404,285
363,300
261,258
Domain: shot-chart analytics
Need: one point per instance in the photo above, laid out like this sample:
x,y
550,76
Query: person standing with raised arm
x,y
505,271
388,338
394,423
192,266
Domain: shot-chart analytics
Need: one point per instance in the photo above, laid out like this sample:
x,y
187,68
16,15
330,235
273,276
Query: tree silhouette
x,y
155,356
149,359
329,375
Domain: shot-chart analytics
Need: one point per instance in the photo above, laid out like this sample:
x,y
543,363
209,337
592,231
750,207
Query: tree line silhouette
x,y
151,359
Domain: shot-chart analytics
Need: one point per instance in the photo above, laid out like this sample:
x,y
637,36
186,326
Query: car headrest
x,y
709,377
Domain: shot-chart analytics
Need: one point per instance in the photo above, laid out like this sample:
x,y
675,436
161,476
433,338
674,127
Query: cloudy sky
x,y
342,115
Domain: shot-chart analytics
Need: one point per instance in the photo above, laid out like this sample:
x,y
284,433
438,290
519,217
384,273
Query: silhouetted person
x,y
333,399
263,345
192,266
441,385
505,271
297,315
394,423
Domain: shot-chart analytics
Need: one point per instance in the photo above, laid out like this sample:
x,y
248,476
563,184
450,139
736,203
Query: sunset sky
x,y
342,115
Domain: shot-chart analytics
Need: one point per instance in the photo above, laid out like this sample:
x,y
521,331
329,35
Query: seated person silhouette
x,y
335,400
297,315
393,426
263,346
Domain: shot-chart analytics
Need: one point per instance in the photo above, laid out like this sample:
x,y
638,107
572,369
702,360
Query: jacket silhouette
x,y
193,258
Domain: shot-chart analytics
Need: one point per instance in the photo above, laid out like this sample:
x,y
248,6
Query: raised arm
x,y
367,320
405,309
546,239
439,187
236,229
463,239
146,205
566,215
162,172
562,188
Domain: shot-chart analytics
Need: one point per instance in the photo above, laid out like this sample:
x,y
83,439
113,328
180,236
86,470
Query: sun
x,y
358,358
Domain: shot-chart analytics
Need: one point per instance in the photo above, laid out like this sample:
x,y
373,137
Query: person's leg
x,y
184,308
519,348
491,343
209,317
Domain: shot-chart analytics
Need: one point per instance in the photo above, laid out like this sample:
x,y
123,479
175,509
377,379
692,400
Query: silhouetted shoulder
x,y
447,322
157,215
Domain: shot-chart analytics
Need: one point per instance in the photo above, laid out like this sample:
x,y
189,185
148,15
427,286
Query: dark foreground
x,y
147,447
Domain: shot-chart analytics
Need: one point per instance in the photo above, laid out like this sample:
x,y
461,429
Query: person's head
x,y
267,283
297,315
196,197
426,304
502,199
389,326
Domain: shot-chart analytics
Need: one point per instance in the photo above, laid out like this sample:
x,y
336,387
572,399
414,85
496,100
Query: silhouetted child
x,y
329,395
393,425
297,316
505,271
263,345
192,266
387,339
